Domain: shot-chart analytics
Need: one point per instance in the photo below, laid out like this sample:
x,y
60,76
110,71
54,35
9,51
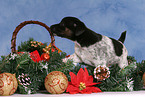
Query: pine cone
x,y
24,80
101,73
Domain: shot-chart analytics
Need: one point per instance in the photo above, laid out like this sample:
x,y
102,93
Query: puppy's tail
x,y
122,37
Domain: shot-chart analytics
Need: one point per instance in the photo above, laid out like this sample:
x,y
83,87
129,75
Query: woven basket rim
x,y
21,25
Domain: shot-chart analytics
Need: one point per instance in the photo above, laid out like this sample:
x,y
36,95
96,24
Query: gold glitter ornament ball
x,y
8,84
56,82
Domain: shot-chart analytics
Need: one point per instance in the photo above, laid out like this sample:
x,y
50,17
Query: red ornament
x,y
45,57
35,56
82,83
67,56
52,50
20,52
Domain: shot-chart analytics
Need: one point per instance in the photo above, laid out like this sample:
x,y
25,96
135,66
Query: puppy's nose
x,y
52,28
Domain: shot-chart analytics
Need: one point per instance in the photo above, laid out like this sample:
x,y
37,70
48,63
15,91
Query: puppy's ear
x,y
79,31
80,27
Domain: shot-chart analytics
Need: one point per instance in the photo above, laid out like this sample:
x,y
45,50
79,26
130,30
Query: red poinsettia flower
x,y
82,83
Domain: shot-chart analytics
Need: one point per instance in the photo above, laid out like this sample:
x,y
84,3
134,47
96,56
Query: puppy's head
x,y
69,27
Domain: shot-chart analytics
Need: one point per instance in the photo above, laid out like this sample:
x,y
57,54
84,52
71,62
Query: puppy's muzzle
x,y
53,29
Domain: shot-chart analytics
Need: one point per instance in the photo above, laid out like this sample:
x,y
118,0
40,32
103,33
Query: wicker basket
x,y
21,25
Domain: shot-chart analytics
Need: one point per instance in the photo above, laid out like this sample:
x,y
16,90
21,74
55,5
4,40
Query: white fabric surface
x,y
103,94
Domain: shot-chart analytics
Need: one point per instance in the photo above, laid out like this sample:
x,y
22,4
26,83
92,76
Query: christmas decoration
x,y
130,59
34,60
8,84
82,83
49,47
32,45
12,56
36,43
143,79
101,73
36,71
137,75
26,60
25,83
45,57
24,80
35,56
56,82
119,80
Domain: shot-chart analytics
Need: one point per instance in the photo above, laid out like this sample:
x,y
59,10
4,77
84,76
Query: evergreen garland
x,y
23,64
127,79
138,74
31,74
31,45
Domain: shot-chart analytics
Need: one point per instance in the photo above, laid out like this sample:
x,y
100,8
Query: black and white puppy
x,y
90,47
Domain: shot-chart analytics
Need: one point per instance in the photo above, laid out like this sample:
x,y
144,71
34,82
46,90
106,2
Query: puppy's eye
x,y
75,25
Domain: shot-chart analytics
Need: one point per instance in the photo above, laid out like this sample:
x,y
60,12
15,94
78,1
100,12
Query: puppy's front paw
x,y
74,58
65,60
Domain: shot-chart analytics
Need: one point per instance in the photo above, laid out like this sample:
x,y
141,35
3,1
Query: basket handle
x,y
13,41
